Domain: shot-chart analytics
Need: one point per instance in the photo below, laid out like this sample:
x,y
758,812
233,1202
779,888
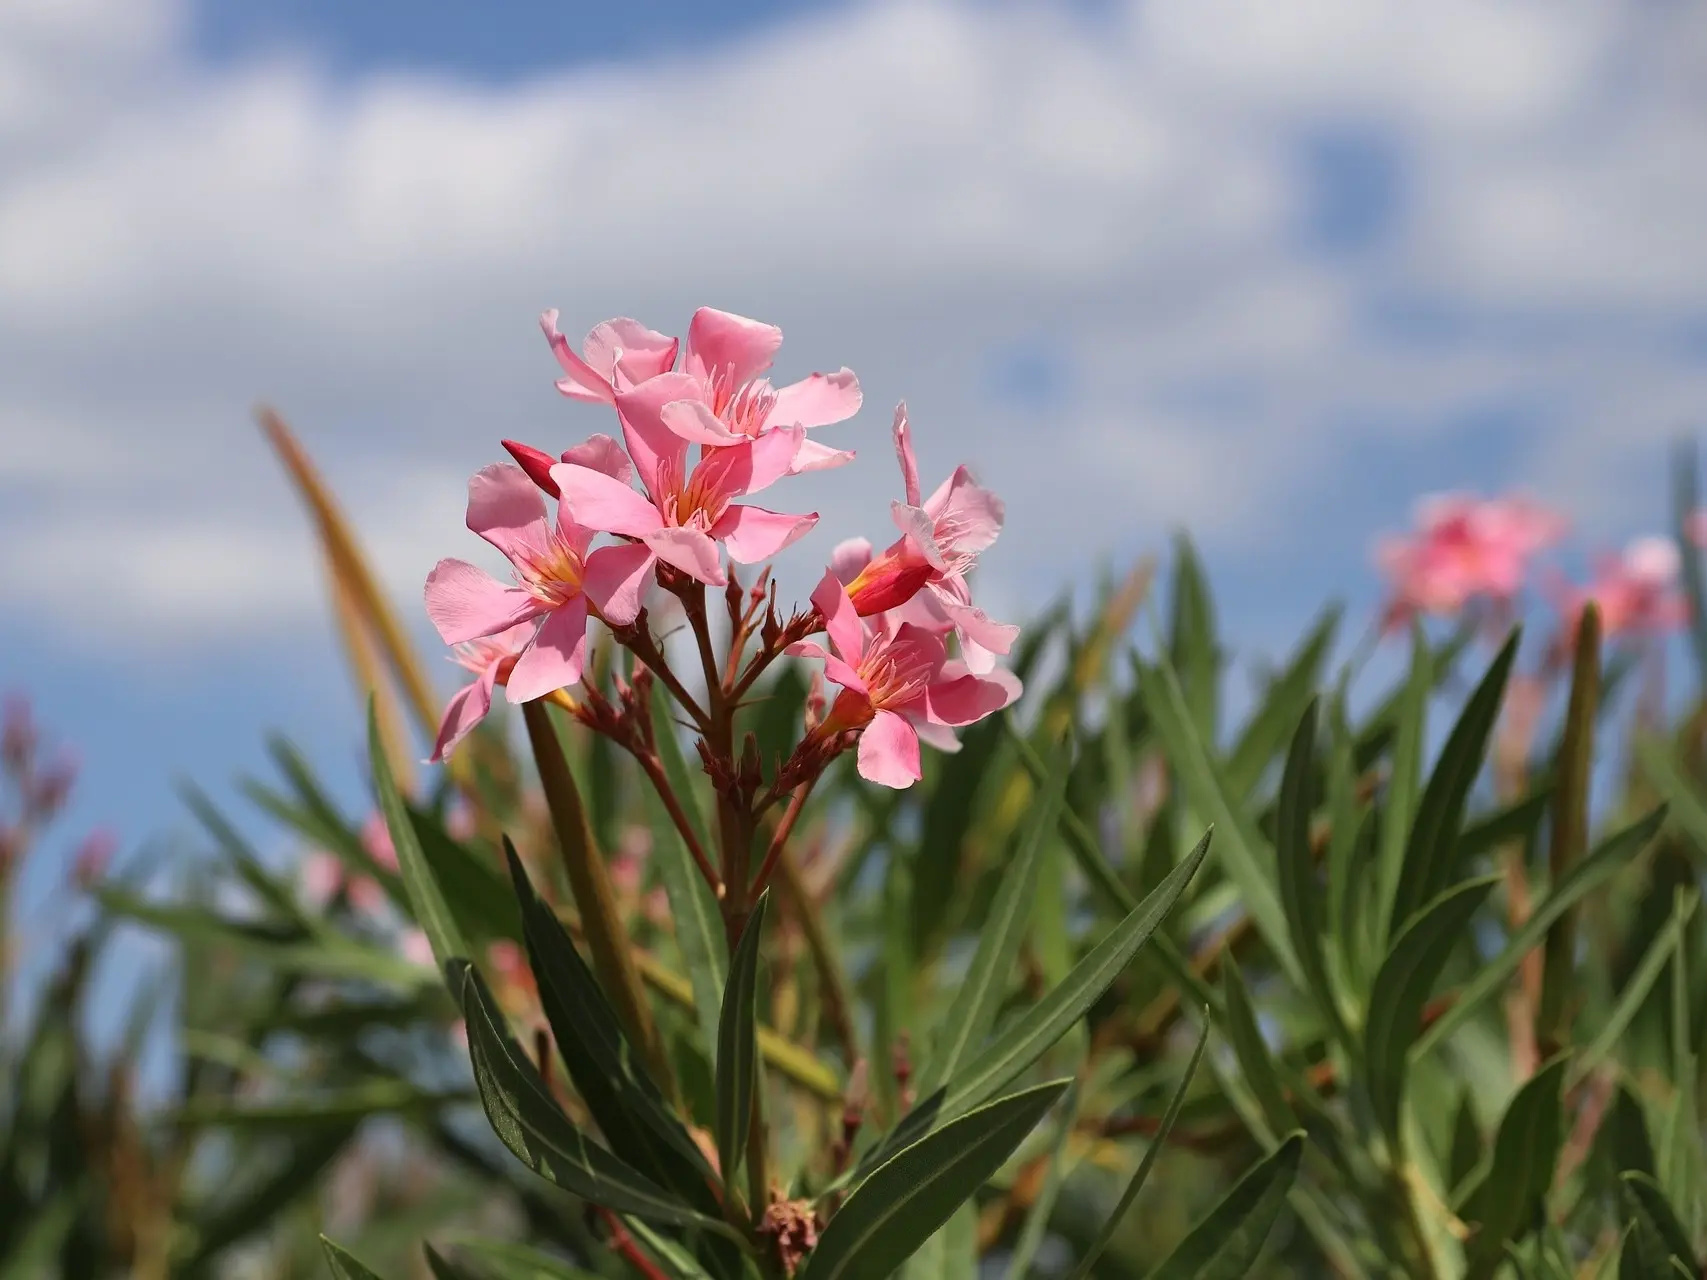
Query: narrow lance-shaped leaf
x,y
1106,1233
1402,986
1582,879
910,1195
1636,989
344,1265
973,1011
442,1267
1300,894
1645,1199
1686,501
1526,1150
1432,848
1252,1051
1399,811
426,900
1037,1217
1226,1244
737,1051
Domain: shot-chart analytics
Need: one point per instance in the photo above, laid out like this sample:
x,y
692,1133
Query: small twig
x,y
654,769
623,1245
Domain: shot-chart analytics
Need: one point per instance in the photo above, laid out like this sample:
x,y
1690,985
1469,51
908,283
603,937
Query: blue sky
x,y
1137,273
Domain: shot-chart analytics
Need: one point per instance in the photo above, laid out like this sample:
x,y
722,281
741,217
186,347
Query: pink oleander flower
x,y
924,572
1637,593
89,865
491,659
557,581
898,687
414,947
685,512
615,356
376,839
324,876
1465,548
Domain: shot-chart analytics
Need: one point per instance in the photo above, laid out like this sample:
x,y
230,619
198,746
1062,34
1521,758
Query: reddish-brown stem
x,y
622,1244
784,829
639,641
654,770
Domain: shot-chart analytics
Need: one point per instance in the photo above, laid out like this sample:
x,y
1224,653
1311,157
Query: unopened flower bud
x,y
536,463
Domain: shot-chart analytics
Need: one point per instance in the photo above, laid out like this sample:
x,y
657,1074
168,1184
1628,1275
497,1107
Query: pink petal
x,y
694,421
600,453
903,434
553,660
968,517
841,623
322,876
818,400
691,551
975,628
652,445
771,457
616,579
583,382
505,508
626,352
920,531
812,456
889,752
937,736
969,698
844,675
603,502
753,534
848,557
729,345
536,462
466,603
807,649
467,708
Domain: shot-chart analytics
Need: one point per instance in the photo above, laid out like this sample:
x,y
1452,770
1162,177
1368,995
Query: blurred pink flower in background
x,y
1638,593
1464,549
414,947
324,875
93,856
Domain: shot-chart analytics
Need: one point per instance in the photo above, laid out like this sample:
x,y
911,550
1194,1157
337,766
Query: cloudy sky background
x,y
1266,270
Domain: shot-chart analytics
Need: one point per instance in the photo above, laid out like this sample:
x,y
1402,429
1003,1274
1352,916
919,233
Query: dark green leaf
x,y
1686,501
344,1266
1226,1244
1647,1201
442,1268
1300,894
914,1192
737,1049
519,1262
426,897
1526,1150
1431,850
1402,986
1252,1051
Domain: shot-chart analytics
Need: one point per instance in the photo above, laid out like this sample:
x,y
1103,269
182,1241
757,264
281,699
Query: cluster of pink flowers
x,y
700,437
1468,552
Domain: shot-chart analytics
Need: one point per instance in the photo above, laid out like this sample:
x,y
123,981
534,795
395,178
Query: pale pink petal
x,y
322,876
812,456
376,839
616,579
553,660
414,947
694,421
753,534
750,466
731,346
889,752
903,434
603,502
691,551
466,603
627,352
844,675
583,382
920,531
848,557
968,698
975,626
365,896
652,445
505,508
968,517
807,649
841,623
817,401
939,737
600,453
468,707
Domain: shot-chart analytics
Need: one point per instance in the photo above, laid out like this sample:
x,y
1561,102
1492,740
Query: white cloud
x,y
905,187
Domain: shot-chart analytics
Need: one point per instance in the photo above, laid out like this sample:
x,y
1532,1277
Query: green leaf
x,y
737,1049
1526,1150
979,996
1192,646
1686,500
339,1107
1226,1244
441,1268
1660,765
609,1076
1514,823
1106,1233
1431,850
910,1195
426,897
1398,812
1637,987
1288,698
519,1262
269,888
1645,1256
1037,1217
1300,894
530,1124
1646,1200
1583,878
693,910
473,887
1402,986
1252,1051
1243,851
1028,1037
344,1266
